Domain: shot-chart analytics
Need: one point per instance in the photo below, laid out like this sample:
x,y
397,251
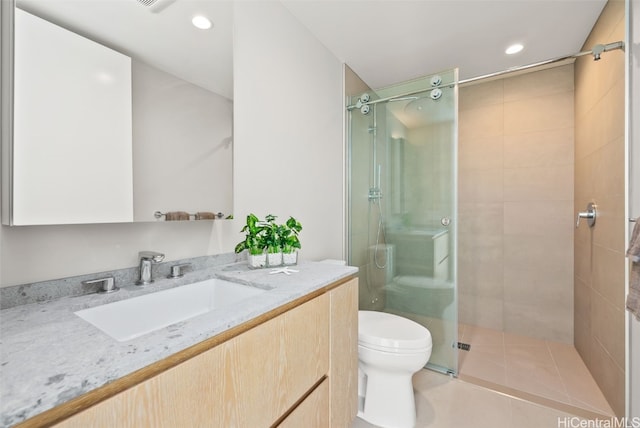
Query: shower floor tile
x,y
552,371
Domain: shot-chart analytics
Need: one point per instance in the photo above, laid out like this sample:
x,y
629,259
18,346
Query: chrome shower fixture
x,y
598,49
393,100
362,104
364,108
436,93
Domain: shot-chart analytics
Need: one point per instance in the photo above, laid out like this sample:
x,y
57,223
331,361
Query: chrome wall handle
x,y
590,214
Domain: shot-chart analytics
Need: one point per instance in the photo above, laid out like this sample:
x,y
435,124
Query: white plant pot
x,y
289,259
274,259
257,261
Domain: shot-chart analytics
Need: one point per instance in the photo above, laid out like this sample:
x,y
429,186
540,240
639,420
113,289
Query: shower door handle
x,y
589,214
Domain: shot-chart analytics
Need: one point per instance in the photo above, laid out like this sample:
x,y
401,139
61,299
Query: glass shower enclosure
x,y
402,205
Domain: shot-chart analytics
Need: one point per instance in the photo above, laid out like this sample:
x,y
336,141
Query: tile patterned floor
x,y
550,370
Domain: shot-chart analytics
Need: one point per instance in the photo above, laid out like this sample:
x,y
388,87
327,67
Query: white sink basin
x,y
131,318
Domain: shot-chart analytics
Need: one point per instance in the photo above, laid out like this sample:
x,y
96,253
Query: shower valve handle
x,y
589,214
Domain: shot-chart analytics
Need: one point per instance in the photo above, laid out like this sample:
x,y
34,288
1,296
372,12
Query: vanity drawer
x,y
313,412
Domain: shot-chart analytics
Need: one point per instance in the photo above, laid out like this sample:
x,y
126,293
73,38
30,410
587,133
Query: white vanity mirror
x,y
120,109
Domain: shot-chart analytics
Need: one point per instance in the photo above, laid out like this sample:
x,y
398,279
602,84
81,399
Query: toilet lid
x,y
391,333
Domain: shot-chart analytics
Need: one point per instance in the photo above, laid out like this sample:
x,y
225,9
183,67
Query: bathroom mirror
x,y
181,90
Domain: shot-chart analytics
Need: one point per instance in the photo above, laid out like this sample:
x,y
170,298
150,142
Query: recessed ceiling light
x,y
514,49
201,22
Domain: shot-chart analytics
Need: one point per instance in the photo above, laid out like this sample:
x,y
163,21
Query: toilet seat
x,y
390,333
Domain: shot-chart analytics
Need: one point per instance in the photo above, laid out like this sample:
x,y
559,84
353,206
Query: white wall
x,y
634,188
288,137
288,160
38,253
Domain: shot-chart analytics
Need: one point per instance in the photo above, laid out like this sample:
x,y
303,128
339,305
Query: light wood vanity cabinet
x,y
343,375
298,369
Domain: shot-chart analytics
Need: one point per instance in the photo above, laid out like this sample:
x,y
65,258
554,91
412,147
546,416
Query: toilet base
x,y
389,400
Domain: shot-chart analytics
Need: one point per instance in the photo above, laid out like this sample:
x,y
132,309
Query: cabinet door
x,y
343,374
248,381
72,136
313,412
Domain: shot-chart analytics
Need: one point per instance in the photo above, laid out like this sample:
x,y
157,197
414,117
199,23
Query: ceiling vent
x,y
155,6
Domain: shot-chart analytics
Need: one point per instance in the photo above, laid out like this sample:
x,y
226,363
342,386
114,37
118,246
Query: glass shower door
x,y
403,207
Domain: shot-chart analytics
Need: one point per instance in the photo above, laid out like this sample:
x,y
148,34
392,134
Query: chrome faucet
x,y
146,259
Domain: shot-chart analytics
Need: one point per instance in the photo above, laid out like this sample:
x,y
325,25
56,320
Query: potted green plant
x,y
272,232
289,241
254,242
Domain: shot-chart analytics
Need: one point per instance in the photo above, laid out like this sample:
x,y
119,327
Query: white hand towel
x,y
633,253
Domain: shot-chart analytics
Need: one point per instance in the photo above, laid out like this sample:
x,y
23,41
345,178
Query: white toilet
x,y
390,350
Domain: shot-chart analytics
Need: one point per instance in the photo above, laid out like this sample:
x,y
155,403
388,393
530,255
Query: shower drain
x,y
464,346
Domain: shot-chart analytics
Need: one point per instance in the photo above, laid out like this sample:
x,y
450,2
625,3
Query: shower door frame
x,y
349,217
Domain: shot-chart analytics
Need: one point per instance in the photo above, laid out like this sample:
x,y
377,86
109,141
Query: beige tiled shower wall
x,y
599,176
515,259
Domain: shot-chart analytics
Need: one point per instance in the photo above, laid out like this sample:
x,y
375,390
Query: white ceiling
x,y
391,41
165,39
384,41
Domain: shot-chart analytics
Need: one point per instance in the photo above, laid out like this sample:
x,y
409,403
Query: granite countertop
x,y
49,355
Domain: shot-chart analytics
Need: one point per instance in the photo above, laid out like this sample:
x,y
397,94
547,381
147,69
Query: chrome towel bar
x,y
159,214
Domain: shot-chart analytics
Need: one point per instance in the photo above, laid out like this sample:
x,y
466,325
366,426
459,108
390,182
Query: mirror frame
x,y
7,8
